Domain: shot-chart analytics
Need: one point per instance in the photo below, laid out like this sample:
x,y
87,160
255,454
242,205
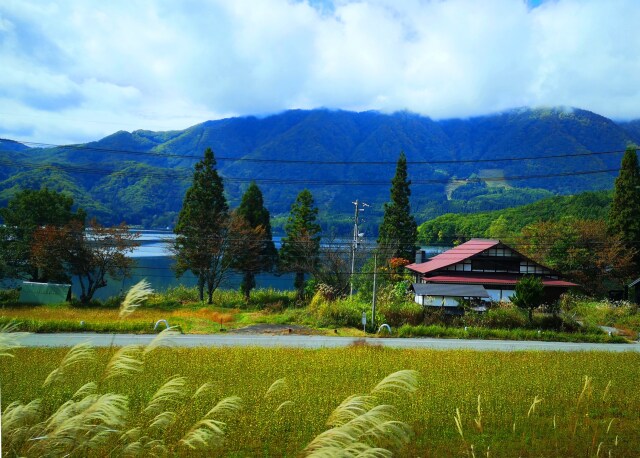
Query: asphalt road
x,y
297,341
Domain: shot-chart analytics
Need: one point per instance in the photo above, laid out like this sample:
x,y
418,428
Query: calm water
x,y
154,262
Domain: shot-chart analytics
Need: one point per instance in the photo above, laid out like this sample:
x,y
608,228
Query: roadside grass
x,y
467,403
505,334
180,307
621,315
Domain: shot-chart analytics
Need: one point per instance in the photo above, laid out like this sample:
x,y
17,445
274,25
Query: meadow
x,y
465,403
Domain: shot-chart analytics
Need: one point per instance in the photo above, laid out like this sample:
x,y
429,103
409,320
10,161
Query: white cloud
x,y
75,71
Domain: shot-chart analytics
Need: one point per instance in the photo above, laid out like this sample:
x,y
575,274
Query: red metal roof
x,y
493,279
454,255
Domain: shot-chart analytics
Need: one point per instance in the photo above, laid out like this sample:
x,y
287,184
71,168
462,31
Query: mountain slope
x,y
342,156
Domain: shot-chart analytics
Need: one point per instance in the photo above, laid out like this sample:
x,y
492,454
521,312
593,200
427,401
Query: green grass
x,y
574,418
505,334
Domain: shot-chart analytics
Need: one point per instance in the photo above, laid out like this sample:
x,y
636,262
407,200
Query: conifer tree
x,y
624,216
399,233
201,230
301,246
256,216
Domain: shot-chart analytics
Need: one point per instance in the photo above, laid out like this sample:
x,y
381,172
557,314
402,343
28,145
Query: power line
x,y
312,161
185,173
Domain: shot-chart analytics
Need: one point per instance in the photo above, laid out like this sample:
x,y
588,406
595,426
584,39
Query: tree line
x,y
44,240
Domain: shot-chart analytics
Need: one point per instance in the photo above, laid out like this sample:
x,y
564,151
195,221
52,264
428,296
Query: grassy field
x,y
525,404
180,308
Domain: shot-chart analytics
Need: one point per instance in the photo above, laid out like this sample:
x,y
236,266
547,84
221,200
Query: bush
x,y
342,312
272,298
397,314
162,302
9,296
504,318
182,294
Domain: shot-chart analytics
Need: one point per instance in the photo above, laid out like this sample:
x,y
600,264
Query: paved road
x,y
234,340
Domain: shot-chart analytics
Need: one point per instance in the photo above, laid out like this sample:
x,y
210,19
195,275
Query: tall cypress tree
x,y
301,246
624,216
202,225
253,211
399,231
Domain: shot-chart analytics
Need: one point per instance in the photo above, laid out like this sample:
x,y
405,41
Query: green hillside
x,y
449,228
456,166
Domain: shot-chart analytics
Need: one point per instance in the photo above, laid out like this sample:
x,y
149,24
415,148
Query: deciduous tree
x,y
91,255
28,211
583,250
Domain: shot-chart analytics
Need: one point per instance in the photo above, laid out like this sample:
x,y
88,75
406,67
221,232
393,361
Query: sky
x,y
74,71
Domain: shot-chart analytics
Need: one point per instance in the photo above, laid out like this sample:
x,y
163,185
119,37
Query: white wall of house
x,y
437,301
503,295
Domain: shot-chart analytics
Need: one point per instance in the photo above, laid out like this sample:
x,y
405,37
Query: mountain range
x,y
456,165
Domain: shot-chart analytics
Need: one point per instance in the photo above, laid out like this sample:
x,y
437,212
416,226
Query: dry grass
x,y
493,393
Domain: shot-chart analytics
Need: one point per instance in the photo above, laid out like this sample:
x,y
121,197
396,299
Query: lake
x,y
154,263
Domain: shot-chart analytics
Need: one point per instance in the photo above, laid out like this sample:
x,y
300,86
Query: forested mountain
x,y
458,165
450,228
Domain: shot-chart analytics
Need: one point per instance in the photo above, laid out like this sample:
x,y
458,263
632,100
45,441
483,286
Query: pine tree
x,y
201,231
301,246
253,211
624,215
399,232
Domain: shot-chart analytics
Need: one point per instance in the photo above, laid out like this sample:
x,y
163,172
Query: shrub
x,y
342,312
504,318
397,314
9,296
267,297
182,294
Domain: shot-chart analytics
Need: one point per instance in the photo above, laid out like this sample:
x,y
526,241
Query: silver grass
x,y
135,297
163,420
79,354
206,433
349,409
133,449
10,339
279,384
202,389
18,420
170,393
100,438
209,432
373,424
391,431
398,383
85,390
226,406
359,426
283,405
124,362
162,339
91,421
131,435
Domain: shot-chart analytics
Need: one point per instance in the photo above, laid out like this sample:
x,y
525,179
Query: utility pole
x,y
359,207
373,302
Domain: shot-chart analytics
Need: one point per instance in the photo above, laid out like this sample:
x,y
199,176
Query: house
x,y
479,270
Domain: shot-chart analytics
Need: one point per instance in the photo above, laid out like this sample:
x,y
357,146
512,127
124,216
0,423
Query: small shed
x,y
447,295
44,293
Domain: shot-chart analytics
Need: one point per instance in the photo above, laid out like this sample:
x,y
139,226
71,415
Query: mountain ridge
x,y
344,138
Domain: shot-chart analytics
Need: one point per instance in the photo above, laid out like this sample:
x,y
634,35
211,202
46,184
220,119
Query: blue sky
x,y
77,71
